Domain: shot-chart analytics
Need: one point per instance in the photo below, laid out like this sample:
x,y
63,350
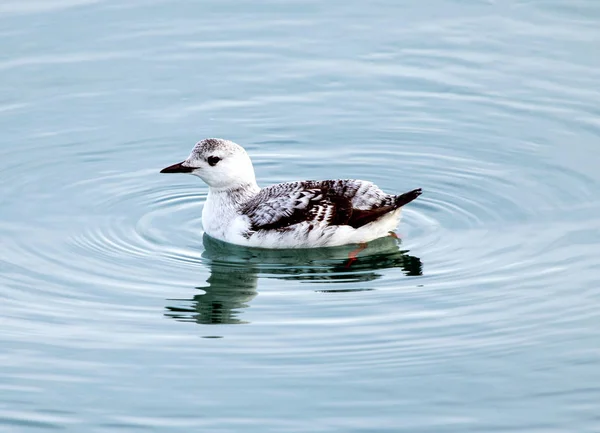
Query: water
x,y
118,315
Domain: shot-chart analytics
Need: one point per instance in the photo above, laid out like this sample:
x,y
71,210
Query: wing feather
x,y
329,202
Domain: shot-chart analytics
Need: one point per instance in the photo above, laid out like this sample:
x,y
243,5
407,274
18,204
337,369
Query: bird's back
x,y
349,202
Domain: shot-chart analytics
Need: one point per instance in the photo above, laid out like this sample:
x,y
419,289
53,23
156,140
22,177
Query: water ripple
x,y
105,270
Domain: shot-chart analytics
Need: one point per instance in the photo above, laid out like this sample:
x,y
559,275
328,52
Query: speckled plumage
x,y
288,215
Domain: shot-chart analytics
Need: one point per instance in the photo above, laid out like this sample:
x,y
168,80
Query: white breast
x,y
221,219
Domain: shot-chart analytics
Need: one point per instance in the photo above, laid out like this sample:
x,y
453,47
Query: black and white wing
x,y
330,202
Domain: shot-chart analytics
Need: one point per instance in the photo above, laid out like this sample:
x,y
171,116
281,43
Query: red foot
x,y
394,235
352,254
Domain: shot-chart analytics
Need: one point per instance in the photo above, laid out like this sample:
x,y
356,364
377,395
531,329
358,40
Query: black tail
x,y
359,218
407,197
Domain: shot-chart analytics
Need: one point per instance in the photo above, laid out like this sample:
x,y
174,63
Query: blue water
x,y
119,315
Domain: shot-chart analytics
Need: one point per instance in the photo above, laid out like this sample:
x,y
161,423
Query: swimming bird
x,y
302,214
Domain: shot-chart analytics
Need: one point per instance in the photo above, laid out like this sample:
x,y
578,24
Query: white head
x,y
222,164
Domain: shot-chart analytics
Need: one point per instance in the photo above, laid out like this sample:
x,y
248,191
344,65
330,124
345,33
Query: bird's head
x,y
222,164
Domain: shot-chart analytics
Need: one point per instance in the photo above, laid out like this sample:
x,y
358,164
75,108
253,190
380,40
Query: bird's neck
x,y
233,195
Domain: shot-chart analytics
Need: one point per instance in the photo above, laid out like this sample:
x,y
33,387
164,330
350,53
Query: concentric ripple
x,y
143,219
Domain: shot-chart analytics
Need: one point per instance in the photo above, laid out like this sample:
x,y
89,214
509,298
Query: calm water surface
x,y
119,315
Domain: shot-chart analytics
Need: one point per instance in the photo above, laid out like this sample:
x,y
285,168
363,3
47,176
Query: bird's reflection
x,y
234,274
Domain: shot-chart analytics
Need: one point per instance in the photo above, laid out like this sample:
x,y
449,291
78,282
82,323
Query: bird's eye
x,y
213,160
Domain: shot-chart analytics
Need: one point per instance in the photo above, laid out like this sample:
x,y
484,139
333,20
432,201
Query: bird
x,y
301,214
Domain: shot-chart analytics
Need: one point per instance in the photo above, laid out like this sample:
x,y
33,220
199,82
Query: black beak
x,y
177,168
